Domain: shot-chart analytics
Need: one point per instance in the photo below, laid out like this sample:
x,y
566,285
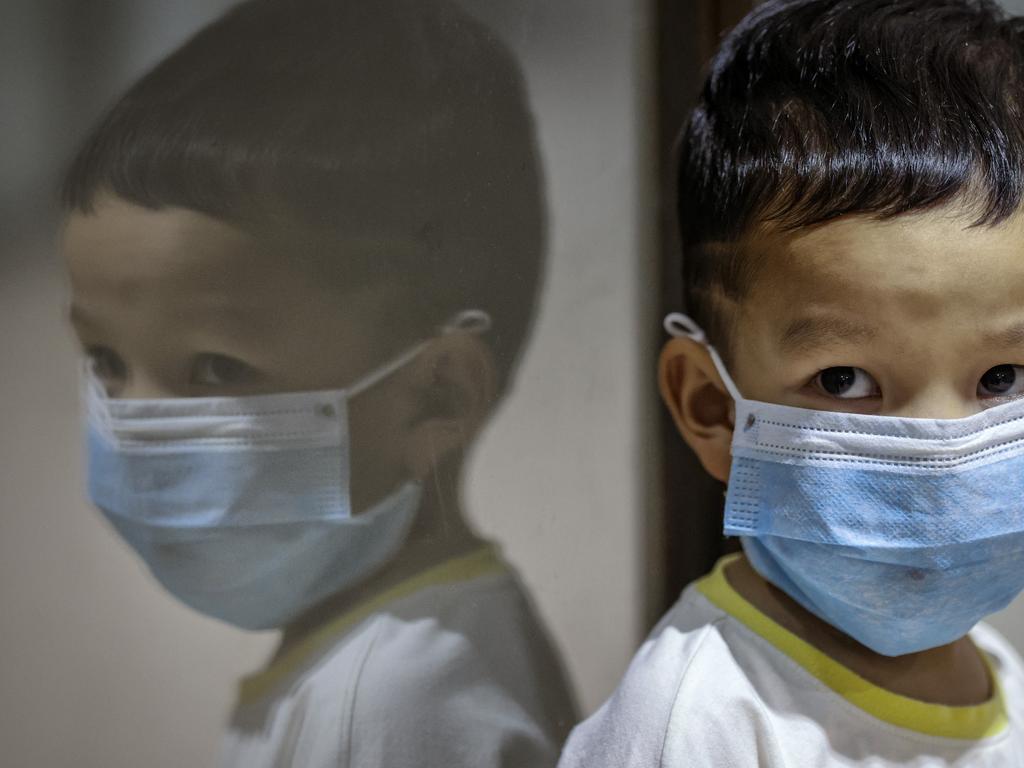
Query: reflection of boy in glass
x,y
298,200
851,182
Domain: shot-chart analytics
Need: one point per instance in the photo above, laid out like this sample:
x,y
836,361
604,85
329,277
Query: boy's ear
x,y
454,386
700,405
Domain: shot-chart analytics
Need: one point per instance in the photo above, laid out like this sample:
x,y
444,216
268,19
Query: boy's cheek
x,y
713,453
375,463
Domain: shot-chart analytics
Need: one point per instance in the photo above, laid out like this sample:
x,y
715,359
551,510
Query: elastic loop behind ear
x,y
93,396
683,326
469,320
730,385
679,325
383,372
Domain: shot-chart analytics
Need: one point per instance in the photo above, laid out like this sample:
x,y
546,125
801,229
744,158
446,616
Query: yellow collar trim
x,y
970,722
465,568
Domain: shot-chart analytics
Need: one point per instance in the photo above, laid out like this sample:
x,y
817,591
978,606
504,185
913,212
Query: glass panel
x,y
326,395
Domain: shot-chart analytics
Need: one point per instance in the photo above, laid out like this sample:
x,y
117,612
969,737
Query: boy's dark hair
x,y
318,125
813,109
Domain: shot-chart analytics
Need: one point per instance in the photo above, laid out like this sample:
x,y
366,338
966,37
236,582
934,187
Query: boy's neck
x,y
953,675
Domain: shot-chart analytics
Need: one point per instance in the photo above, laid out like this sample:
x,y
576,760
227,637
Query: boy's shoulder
x,y
466,683
406,681
710,689
684,679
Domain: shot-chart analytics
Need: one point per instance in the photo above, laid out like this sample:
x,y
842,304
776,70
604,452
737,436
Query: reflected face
x,y
173,303
916,316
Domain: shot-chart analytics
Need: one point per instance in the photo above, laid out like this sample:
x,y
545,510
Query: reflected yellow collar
x,y
465,568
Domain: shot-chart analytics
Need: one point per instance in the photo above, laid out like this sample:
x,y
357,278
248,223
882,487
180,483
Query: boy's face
x,y
915,316
173,303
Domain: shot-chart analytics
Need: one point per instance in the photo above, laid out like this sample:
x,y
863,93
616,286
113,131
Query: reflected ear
x,y
703,410
454,386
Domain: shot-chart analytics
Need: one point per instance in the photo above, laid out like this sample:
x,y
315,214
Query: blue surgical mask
x,y
901,532
240,506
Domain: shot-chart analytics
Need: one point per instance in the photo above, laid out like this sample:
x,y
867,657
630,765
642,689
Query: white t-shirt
x,y
449,668
719,684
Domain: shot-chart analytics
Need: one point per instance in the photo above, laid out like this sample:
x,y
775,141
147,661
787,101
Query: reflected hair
x,y
815,109
387,141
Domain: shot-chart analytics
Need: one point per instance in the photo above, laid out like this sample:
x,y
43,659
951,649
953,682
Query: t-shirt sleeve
x,y
426,698
678,705
630,728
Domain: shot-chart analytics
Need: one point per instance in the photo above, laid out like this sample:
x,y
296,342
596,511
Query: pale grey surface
x,y
1013,6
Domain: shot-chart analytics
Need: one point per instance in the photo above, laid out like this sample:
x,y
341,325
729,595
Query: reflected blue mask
x,y
901,532
240,506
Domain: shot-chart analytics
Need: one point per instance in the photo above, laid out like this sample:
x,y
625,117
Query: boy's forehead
x,y
928,267
128,246
130,264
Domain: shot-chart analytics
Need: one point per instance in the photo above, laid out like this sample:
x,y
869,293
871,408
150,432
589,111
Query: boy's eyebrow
x,y
807,332
1013,336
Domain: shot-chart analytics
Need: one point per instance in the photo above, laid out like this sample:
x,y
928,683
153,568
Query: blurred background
x,y
579,477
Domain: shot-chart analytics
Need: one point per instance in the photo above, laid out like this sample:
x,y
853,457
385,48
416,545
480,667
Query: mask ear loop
x,y
679,325
470,320
475,321
95,398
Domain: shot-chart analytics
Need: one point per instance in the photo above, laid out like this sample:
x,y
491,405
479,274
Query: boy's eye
x,y
106,364
214,370
846,382
1002,381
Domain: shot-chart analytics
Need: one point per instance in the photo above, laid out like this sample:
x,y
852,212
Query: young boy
x,y
304,252
851,188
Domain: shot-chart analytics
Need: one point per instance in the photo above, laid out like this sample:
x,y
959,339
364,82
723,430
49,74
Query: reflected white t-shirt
x,y
449,668
720,684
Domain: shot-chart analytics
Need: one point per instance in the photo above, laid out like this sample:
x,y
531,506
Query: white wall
x,y
100,668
